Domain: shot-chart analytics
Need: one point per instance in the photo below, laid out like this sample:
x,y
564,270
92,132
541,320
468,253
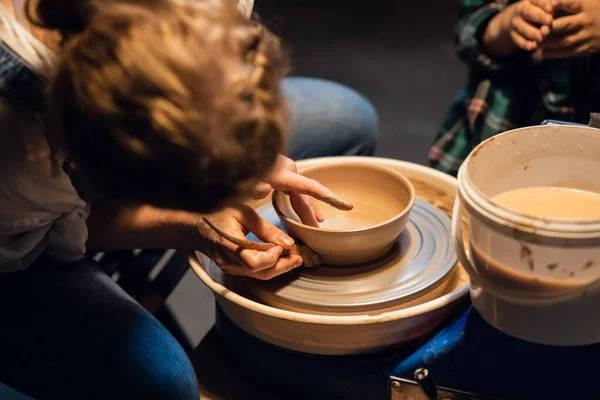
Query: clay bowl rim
x,y
401,214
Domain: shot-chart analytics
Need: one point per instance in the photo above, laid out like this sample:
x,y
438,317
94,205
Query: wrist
x,y
181,230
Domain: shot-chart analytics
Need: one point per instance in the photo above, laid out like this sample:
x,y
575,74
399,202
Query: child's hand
x,y
575,34
234,260
303,192
530,22
522,25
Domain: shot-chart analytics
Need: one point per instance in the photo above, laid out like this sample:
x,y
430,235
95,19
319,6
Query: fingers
x,y
545,31
570,6
255,261
237,255
545,5
568,41
522,43
304,209
287,179
566,52
261,191
568,24
282,266
526,30
317,209
524,24
536,14
292,182
265,231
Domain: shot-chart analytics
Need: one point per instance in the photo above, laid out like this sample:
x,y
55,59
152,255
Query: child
x,y
529,60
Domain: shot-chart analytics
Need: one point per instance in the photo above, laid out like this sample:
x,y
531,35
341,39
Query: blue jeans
x,y
329,119
68,331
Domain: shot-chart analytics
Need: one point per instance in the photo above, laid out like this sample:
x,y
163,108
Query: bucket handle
x,y
480,280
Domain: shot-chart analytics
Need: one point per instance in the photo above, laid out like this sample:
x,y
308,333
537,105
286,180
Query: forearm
x,y
496,37
113,226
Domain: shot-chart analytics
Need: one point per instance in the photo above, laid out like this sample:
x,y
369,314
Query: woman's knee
x,y
165,370
330,119
358,120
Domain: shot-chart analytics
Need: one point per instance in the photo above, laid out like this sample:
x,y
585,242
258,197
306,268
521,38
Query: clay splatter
x,y
525,252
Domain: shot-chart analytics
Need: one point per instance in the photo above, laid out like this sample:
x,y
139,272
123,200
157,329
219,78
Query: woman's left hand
x,y
575,34
303,192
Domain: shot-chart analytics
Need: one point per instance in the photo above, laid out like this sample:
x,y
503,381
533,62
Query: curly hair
x,y
173,103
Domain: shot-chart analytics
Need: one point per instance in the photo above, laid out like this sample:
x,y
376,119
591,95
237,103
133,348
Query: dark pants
x,y
70,332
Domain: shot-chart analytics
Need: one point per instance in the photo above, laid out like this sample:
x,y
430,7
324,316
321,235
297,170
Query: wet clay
x,y
551,202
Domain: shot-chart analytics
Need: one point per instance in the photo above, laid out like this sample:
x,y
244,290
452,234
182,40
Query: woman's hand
x,y
238,222
523,25
575,34
114,226
302,191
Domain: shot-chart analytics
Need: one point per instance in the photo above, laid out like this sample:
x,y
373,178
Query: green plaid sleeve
x,y
473,18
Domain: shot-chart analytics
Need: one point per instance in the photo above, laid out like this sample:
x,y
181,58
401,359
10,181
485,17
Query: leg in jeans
x,y
70,332
329,119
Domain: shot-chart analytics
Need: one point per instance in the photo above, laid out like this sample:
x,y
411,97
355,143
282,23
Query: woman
x,y
529,60
124,124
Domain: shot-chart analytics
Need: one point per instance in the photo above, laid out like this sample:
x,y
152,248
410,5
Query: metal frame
x,y
423,388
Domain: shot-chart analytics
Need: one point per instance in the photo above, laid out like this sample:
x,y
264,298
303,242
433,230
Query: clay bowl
x,y
382,201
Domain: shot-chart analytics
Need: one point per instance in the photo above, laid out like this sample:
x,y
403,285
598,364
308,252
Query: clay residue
x,y
552,267
434,195
513,279
588,264
526,256
476,151
336,201
525,252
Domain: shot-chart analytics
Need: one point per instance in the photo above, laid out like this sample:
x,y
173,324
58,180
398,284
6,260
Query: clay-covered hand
x,y
575,34
523,25
303,192
238,222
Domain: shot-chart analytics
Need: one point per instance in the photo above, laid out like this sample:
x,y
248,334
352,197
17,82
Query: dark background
x,y
399,54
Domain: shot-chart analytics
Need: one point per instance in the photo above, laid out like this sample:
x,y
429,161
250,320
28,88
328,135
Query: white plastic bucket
x,y
537,279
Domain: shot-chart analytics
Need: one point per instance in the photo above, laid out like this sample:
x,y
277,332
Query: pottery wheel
x,y
418,262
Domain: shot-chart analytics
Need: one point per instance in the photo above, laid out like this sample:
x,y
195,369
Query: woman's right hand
x,y
232,259
523,25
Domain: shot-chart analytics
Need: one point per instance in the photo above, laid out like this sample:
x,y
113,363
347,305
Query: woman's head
x,y
175,103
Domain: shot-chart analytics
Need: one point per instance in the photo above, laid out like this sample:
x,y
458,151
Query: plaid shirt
x,y
508,93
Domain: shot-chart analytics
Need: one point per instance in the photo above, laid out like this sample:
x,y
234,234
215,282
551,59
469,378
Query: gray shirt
x,y
40,209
